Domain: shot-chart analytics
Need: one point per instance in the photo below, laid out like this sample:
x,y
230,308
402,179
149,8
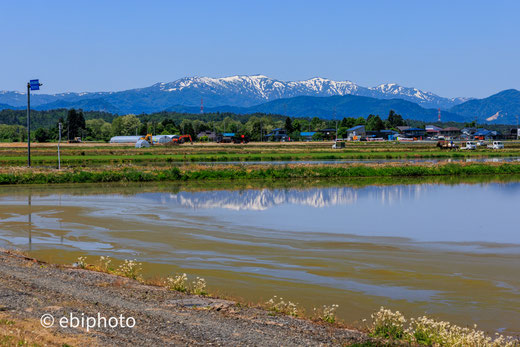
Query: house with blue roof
x,y
358,131
307,135
487,134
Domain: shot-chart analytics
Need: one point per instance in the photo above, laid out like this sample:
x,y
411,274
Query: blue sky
x,y
452,48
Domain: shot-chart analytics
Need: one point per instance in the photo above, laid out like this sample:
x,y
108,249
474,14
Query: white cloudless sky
x,y
452,48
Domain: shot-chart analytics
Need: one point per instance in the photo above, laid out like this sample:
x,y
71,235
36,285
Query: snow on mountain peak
x,y
260,88
249,90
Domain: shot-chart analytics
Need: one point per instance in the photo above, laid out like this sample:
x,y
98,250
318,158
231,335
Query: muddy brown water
x,y
451,251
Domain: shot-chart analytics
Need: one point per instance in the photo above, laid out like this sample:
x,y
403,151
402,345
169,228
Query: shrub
x,y
199,286
130,269
81,262
177,283
278,305
427,331
388,324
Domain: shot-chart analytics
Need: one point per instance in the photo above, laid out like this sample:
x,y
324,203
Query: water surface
x,y
448,250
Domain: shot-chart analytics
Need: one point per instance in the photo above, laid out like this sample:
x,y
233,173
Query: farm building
x,y
125,139
357,131
487,134
277,134
450,132
382,134
414,132
134,139
210,135
307,135
142,144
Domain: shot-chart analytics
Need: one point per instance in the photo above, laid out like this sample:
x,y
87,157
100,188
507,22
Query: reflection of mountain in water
x,y
263,199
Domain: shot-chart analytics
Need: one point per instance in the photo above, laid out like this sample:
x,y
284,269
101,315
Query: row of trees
x,y
253,126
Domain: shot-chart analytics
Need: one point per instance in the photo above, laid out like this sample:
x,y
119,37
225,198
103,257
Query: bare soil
x,y
29,289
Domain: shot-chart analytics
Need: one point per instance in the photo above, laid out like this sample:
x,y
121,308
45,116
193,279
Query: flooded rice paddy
x,y
483,159
451,251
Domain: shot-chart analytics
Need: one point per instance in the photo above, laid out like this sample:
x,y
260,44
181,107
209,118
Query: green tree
x,y
98,129
75,123
360,121
375,123
318,136
186,128
12,133
288,125
347,122
126,125
295,136
317,124
300,124
343,132
41,135
395,120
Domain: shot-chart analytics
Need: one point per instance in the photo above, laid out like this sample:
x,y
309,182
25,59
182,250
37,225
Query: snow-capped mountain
x,y
260,88
239,91
425,99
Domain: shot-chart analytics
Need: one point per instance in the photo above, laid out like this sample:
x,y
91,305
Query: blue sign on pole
x,y
35,84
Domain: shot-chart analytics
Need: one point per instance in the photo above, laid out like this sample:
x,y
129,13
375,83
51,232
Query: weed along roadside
x,y
237,172
184,311
174,309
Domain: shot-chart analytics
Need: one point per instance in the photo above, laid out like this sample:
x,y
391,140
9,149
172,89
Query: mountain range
x,y
247,94
333,107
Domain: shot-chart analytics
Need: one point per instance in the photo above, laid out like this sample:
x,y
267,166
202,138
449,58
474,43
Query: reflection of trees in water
x,y
266,198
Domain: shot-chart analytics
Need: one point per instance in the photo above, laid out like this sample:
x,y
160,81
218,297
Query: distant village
x,y
406,133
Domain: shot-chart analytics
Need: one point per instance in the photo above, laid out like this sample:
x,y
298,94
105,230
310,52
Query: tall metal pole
x,y
28,124
59,140
517,129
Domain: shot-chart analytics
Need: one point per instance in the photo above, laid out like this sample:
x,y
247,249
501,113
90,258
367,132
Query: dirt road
x,y
30,289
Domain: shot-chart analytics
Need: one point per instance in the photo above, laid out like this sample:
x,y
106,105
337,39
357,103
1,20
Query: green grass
x,y
147,157
245,173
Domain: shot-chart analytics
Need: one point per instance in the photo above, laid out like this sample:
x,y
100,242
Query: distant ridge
x,y
241,91
327,107
259,93
502,107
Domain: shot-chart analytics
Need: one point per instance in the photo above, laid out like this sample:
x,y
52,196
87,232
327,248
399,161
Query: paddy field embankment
x,y
113,163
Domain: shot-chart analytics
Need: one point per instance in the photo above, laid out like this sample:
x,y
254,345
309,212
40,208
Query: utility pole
x,y
517,129
28,124
32,85
336,123
59,140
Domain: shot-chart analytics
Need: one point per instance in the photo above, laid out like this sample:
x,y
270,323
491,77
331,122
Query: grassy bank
x,y
195,173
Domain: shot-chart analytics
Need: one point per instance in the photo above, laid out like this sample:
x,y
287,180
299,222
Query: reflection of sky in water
x,y
425,212
432,213
412,243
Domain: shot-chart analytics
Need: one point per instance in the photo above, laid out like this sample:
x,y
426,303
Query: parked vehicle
x,y
75,140
447,145
481,143
496,145
148,138
181,139
243,139
470,145
338,145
